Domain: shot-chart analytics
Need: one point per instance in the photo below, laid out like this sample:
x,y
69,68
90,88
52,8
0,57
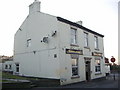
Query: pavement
x,y
110,81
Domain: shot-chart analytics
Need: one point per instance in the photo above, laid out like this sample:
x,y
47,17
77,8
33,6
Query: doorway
x,y
88,70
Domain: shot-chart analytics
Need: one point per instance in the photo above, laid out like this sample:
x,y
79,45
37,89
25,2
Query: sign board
x,y
74,51
112,59
96,54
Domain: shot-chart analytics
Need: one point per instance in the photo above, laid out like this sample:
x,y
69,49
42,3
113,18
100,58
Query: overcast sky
x,y
98,15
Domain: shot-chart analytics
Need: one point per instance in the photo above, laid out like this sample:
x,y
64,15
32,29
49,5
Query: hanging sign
x,y
112,59
74,51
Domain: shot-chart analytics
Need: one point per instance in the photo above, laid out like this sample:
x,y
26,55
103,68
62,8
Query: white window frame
x,y
86,41
98,65
73,36
74,67
28,42
96,42
10,66
6,66
17,67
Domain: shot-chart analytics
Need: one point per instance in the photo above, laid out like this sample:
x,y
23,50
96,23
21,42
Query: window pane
x,y
97,65
74,66
17,67
28,42
74,71
74,62
10,66
96,42
6,66
73,36
86,39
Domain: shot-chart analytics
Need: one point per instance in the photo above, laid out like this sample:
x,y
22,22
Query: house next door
x,y
88,71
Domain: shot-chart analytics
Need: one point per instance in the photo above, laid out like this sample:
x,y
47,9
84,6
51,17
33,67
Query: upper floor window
x,y
96,42
73,36
85,39
28,42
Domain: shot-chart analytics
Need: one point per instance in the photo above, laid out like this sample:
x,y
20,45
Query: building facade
x,y
52,47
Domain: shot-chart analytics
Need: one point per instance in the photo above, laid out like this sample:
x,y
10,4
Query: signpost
x,y
113,60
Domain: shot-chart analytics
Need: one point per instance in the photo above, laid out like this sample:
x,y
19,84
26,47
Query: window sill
x,y
74,45
73,77
98,73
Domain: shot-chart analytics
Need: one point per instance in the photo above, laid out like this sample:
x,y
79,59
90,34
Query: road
x,y
110,82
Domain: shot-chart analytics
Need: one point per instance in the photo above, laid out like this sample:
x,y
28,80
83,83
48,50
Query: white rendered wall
x,y
41,63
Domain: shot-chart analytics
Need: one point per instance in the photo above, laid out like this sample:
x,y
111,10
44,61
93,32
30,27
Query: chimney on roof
x,y
79,22
34,7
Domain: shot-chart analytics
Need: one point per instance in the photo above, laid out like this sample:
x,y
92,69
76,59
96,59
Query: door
x,y
88,71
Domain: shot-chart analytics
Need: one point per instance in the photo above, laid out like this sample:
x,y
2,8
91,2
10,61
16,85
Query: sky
x,y
98,15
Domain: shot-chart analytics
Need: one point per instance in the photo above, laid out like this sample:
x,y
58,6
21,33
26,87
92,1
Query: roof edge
x,y
79,26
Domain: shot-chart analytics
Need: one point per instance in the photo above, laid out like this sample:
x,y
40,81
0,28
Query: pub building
x,y
52,47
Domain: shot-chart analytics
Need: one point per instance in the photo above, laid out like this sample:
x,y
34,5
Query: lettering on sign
x,y
73,51
96,54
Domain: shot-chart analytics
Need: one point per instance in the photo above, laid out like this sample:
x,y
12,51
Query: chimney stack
x,y
34,7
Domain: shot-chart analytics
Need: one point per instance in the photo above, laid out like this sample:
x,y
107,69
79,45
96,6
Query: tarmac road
x,y
109,83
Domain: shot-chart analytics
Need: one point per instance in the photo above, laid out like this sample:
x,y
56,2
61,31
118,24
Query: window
x,y
74,67
6,66
10,66
17,67
73,36
97,65
28,42
85,39
96,42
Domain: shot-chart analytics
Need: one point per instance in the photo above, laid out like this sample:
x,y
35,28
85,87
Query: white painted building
x,y
52,47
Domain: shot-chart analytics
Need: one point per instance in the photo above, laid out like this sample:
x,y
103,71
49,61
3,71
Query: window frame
x,y
98,65
73,38
10,66
17,67
6,66
96,45
28,42
86,40
75,66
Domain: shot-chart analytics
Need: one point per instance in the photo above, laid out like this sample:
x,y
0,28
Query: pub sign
x,y
74,51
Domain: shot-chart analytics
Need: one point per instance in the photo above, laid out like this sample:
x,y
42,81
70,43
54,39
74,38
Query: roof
x,y
79,26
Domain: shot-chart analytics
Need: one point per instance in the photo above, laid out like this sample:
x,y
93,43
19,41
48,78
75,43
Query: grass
x,y
7,75
10,76
36,81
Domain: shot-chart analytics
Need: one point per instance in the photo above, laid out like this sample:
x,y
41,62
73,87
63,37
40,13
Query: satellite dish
x,y
45,39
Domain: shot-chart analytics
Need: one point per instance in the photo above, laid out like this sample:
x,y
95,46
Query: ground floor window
x,y
97,65
17,67
74,61
10,66
6,66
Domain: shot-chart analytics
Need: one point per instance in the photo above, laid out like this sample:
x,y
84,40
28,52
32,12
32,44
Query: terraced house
x,y
52,47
